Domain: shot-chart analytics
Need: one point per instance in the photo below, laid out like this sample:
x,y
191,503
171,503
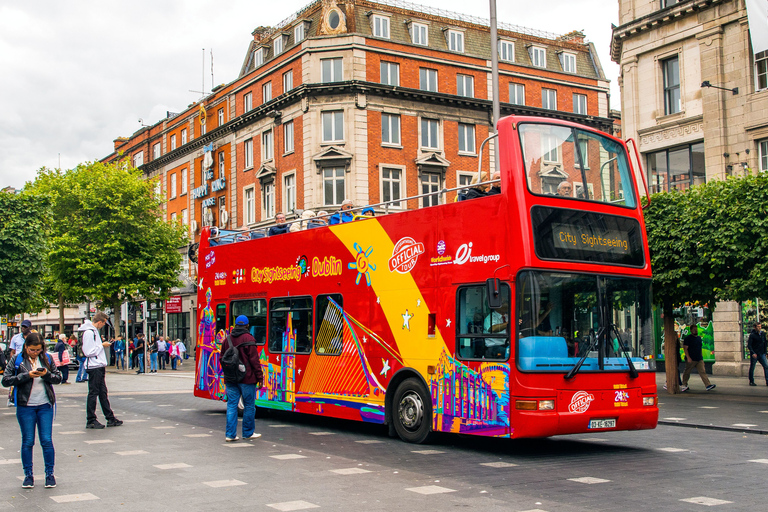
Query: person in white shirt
x,y
96,366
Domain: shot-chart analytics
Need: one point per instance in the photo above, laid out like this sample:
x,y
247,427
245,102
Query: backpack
x,y
232,366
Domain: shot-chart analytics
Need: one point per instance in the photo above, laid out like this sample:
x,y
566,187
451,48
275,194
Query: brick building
x,y
370,101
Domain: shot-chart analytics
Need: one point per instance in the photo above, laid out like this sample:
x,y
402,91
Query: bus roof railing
x,y
232,236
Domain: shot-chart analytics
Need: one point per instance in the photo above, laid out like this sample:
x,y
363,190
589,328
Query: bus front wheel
x,y
411,414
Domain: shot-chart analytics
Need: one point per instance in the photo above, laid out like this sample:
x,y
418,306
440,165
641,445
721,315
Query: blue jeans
x,y
173,363
119,355
40,416
81,375
153,361
234,392
753,362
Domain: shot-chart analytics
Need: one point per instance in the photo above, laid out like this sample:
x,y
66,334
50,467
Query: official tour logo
x,y
405,255
580,402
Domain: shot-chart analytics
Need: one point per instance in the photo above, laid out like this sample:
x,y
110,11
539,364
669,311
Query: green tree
x,y
23,237
109,242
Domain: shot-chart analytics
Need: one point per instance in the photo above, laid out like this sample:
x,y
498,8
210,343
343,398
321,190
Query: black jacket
x,y
19,377
756,343
249,355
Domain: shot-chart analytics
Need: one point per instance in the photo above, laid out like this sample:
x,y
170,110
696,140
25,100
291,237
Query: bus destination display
x,y
569,236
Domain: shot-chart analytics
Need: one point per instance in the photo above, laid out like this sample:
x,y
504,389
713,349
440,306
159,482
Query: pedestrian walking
x,y
162,353
82,376
96,366
153,355
182,352
756,343
62,362
16,345
694,359
175,354
242,341
138,354
33,374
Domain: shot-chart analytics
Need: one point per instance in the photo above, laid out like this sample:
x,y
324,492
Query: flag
x,y
757,13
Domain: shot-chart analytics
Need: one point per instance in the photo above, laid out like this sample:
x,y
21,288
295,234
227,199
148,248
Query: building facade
x,y
361,100
694,95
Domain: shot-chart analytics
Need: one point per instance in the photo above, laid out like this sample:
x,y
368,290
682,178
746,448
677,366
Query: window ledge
x,y
467,153
288,153
248,169
393,146
332,143
670,117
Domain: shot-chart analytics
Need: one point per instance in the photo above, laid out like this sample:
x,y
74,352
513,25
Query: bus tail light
x,y
649,400
533,405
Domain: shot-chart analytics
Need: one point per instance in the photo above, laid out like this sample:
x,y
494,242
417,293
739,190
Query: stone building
x,y
694,95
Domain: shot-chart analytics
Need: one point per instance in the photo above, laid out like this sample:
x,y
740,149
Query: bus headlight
x,y
649,400
546,405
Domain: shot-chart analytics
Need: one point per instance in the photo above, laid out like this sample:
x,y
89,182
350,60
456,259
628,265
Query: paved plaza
x,y
709,450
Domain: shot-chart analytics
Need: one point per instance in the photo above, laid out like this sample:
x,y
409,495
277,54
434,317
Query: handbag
x,y
63,360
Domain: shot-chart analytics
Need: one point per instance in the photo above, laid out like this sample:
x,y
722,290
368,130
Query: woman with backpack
x,y
33,375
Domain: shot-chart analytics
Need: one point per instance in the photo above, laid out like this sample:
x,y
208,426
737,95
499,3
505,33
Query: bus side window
x,y
482,332
221,317
256,311
329,328
290,325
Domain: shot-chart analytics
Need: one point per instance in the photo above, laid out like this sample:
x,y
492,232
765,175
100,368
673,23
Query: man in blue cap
x,y
245,344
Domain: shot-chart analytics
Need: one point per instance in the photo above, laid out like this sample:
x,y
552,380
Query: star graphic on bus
x,y
200,286
361,264
418,302
447,322
407,320
384,367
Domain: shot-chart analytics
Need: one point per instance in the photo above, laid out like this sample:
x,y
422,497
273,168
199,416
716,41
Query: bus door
x,y
221,321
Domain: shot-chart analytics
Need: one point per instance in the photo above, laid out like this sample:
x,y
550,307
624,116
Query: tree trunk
x,y
61,313
118,311
670,349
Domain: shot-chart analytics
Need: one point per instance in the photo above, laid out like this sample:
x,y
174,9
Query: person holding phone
x,y
33,374
95,366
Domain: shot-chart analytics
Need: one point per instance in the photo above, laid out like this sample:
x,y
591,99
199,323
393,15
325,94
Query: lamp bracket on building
x,y
706,83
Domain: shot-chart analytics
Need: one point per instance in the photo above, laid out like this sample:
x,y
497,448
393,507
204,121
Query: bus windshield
x,y
595,169
563,317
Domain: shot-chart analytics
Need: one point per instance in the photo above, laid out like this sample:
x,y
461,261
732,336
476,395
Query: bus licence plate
x,y
611,423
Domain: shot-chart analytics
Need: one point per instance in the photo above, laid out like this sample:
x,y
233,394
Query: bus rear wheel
x,y
411,412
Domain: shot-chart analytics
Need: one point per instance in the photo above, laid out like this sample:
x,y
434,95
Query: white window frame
x,y
333,183
428,80
172,186
550,149
538,56
455,41
333,71
507,50
390,130
156,151
762,150
470,142
183,136
430,125
221,116
258,58
465,85
138,159
419,33
336,120
268,200
568,62
184,182
222,164
184,217
549,96
514,96
248,154
464,176
288,142
385,183
173,142
267,145
266,92
289,191
380,26
579,103
287,81
278,45
761,70
389,66
430,183
249,205
247,102
299,33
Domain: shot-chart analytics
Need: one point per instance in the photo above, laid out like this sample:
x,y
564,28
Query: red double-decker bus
x,y
524,313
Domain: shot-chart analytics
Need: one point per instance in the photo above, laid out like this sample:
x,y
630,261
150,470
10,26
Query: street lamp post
x,y
495,81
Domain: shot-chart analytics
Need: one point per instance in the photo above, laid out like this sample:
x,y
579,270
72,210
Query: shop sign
x,y
173,304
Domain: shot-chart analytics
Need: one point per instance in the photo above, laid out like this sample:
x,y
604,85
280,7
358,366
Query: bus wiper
x,y
632,369
575,369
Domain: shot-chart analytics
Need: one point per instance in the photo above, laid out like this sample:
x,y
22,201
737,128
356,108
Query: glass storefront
x,y
178,328
676,168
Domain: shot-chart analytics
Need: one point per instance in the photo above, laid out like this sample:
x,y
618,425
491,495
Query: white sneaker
x,y
232,439
683,389
253,436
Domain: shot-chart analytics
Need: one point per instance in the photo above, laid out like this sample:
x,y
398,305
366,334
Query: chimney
x,y
120,141
575,36
260,33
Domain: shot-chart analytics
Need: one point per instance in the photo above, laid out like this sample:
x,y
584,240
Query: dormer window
x,y
538,56
507,51
456,41
299,33
380,26
279,43
568,61
419,34
258,57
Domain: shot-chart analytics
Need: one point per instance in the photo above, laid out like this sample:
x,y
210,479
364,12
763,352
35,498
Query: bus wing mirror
x,y
493,286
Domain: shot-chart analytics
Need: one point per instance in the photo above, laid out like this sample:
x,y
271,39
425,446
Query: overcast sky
x,y
78,74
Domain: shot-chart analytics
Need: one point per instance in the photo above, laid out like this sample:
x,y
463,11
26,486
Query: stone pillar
x,y
727,332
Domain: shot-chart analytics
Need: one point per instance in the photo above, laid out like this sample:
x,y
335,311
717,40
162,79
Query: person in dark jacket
x,y
476,190
280,227
33,375
61,347
249,356
343,215
756,343
496,187
694,359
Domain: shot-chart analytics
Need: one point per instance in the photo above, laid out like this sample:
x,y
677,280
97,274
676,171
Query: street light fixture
x,y
707,83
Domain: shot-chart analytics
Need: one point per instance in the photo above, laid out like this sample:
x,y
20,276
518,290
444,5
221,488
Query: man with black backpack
x,y
242,375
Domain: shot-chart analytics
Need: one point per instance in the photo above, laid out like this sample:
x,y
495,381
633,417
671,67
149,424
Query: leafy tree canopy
x,y
23,238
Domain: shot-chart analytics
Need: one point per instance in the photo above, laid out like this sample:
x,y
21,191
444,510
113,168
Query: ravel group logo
x,y
464,255
580,402
405,255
